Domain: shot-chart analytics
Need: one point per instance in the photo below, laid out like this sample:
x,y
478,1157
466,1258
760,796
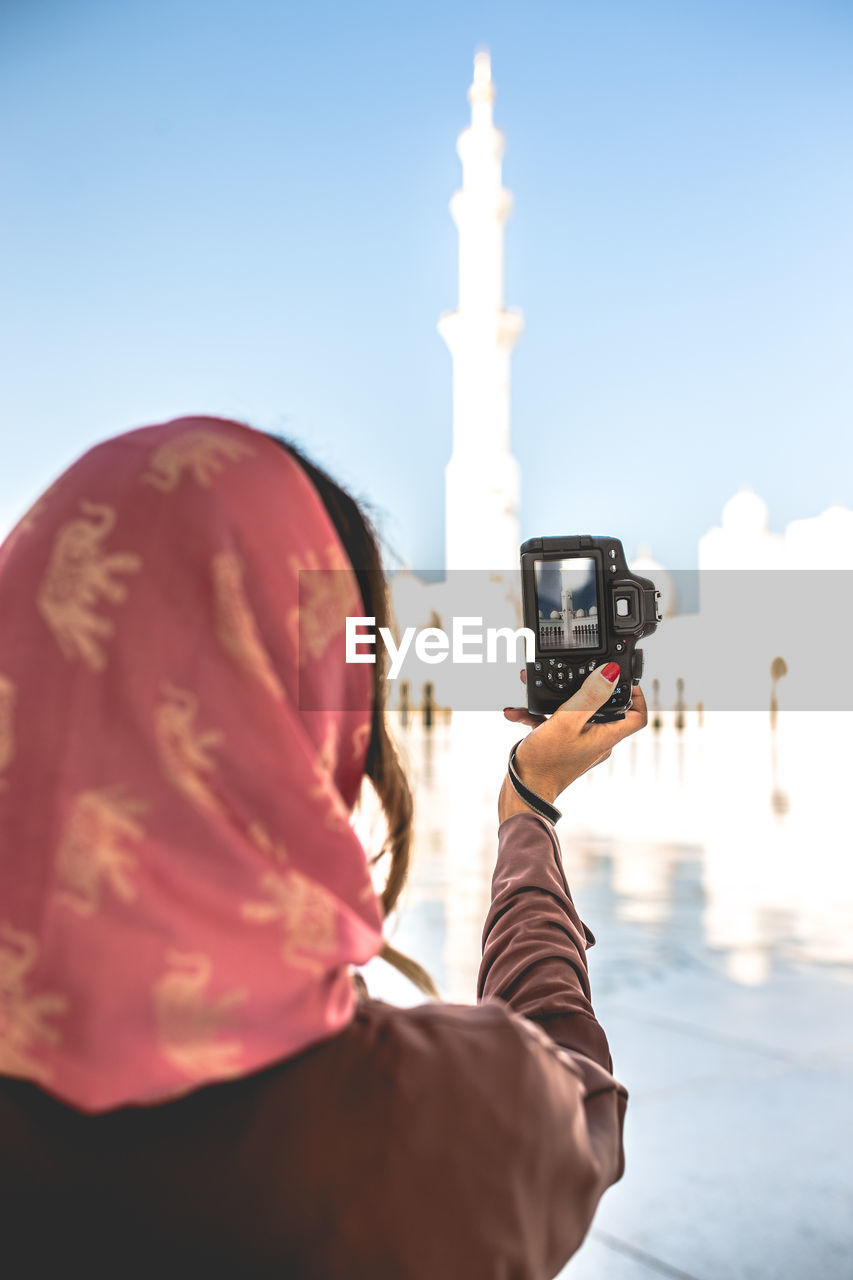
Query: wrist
x,y
510,802
537,780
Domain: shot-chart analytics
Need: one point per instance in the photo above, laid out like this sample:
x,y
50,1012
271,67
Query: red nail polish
x,y
611,672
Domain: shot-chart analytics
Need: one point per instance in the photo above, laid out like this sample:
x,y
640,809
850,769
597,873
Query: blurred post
x,y
428,706
657,722
680,704
778,669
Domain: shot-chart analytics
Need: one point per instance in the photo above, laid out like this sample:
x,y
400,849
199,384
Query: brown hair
x,y
382,767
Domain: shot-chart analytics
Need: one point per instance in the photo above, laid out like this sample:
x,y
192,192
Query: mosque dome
x,y
745,513
824,541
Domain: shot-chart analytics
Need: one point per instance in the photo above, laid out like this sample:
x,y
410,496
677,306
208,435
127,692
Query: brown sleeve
x,y
534,960
534,942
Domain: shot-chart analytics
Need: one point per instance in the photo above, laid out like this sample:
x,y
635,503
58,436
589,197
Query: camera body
x,y
586,609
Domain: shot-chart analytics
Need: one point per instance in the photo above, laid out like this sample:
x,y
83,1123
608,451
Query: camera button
x,y
537,666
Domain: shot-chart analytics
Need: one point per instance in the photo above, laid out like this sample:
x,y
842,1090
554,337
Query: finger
x,y
637,715
635,719
523,676
638,700
593,693
520,715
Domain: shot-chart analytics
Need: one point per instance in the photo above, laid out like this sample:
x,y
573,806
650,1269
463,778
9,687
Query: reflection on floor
x,y
714,866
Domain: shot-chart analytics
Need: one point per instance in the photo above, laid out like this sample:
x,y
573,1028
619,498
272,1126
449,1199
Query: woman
x,y
190,1080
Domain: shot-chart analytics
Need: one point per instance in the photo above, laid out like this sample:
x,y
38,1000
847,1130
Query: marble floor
x,y
713,863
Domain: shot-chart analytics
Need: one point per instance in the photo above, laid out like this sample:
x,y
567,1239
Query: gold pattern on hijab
x,y
185,754
188,1020
202,453
306,912
360,740
235,623
328,752
93,849
263,840
328,594
8,695
22,1016
305,909
78,578
337,816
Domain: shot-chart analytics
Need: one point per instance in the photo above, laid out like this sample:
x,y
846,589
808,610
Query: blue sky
x,y
240,207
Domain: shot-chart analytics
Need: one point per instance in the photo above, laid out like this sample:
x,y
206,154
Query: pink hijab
x,y
182,896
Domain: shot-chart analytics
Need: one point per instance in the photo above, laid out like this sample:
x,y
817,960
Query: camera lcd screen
x,y
567,603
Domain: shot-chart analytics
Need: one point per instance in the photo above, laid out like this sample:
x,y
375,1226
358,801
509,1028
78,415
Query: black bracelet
x,y
529,797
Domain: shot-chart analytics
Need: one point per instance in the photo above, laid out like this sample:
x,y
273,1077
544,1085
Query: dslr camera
x,y
586,609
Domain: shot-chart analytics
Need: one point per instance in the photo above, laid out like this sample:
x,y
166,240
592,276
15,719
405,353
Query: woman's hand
x,y
561,748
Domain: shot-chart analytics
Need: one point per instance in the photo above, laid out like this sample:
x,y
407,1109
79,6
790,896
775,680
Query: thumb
x,y
596,689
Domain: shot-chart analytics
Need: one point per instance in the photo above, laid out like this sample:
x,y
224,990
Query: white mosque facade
x,y
743,539
732,635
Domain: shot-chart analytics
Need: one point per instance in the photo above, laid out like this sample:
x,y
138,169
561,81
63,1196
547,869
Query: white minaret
x,y
568,614
482,477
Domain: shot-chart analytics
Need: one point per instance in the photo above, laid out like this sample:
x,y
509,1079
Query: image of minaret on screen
x,y
482,476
